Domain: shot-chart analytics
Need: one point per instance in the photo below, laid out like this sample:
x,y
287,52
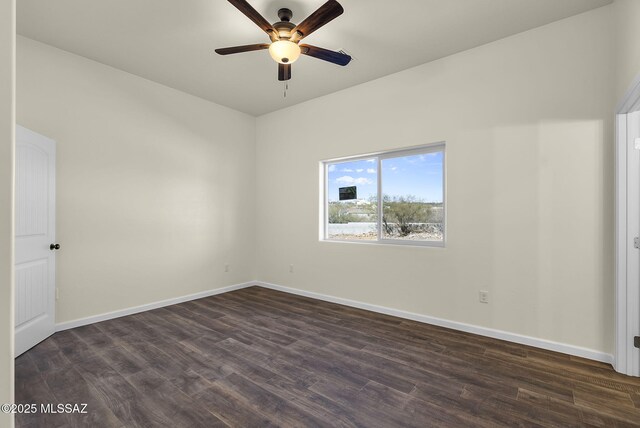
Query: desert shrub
x,y
339,213
404,214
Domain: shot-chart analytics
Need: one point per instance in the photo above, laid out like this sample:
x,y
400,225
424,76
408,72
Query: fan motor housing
x,y
284,29
284,26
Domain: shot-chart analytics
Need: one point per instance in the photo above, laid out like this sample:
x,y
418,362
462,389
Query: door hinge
x,y
636,341
636,243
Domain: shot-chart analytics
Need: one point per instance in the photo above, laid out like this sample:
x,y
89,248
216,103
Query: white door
x,y
35,239
627,358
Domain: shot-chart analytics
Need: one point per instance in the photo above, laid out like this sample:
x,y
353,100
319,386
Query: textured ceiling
x,y
172,42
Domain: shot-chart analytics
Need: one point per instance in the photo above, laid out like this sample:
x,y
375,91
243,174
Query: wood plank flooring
x,y
257,357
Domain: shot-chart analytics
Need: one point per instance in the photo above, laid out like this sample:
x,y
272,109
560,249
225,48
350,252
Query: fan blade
x,y
240,49
258,19
327,12
284,72
325,54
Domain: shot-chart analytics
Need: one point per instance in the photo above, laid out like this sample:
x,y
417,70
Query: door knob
x,y
54,247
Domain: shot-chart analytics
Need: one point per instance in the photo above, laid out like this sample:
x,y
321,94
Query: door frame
x,y
627,269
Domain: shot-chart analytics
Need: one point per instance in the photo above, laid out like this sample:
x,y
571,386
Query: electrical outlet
x,y
227,268
290,268
484,296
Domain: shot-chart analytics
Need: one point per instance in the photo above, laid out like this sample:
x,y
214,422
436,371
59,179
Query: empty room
x,y
296,213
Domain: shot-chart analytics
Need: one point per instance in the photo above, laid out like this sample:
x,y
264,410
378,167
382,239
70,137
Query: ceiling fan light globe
x,y
284,51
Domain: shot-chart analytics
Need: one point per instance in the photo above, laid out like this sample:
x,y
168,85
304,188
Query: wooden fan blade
x,y
240,49
325,54
326,13
253,15
284,72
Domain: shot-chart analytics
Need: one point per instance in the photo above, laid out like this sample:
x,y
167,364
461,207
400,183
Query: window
x,y
410,184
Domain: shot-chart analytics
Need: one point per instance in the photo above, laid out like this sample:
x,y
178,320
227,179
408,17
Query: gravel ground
x,y
372,236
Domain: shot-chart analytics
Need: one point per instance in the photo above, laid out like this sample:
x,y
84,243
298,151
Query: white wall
x,y
7,120
627,38
528,125
155,188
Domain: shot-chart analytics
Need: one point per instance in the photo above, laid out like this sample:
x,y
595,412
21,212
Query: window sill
x,y
389,243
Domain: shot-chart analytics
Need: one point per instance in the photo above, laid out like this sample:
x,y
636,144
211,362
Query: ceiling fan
x,y
285,36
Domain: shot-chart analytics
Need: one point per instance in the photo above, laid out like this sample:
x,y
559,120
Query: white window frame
x,y
380,156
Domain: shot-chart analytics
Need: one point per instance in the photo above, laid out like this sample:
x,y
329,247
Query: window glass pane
x,y
412,193
352,212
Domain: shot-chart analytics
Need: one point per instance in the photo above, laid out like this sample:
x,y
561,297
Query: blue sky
x,y
417,175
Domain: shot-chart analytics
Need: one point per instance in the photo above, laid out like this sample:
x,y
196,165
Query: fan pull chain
x,y
286,88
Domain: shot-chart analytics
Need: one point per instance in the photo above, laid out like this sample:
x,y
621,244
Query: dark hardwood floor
x,y
257,357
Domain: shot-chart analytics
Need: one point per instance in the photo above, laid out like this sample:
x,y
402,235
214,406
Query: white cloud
x,y
418,159
371,160
393,168
359,170
363,180
332,168
347,179
371,171
347,170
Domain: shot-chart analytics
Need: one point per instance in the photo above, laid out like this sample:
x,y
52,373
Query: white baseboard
x,y
469,328
155,305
